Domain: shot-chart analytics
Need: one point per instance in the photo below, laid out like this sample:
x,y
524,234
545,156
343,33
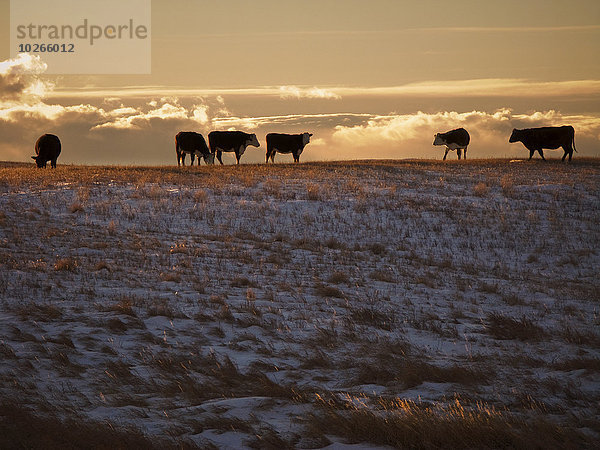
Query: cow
x,y
536,139
231,141
47,148
194,144
286,143
453,140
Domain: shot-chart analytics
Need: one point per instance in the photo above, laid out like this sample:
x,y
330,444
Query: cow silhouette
x,y
536,139
194,144
286,143
47,148
453,140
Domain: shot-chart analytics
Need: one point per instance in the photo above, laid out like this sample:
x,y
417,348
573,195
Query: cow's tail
x,y
574,143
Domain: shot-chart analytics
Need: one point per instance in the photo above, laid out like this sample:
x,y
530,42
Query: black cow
x,y
453,140
286,143
231,141
47,148
536,139
192,143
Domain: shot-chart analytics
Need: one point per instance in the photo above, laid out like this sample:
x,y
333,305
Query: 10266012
x,y
46,48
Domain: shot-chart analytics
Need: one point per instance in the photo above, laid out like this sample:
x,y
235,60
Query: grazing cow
x,y
231,141
47,148
192,143
453,140
286,143
536,139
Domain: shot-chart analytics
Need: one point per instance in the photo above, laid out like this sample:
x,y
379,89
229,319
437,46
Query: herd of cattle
x,y
189,142
48,147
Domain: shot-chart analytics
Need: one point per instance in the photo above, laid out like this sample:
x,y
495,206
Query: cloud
x,y
488,87
314,92
485,87
108,129
289,120
411,135
138,126
19,79
169,109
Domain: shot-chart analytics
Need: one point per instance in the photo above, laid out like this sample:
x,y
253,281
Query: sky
x,y
372,79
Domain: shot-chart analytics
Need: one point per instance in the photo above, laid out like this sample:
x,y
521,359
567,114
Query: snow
x,y
180,307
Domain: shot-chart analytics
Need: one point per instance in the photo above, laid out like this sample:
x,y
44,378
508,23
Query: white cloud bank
x,y
411,135
120,128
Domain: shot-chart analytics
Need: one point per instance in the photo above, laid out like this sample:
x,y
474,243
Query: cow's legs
x,y
273,157
465,152
531,152
446,154
192,157
219,152
237,157
541,152
296,158
53,163
458,152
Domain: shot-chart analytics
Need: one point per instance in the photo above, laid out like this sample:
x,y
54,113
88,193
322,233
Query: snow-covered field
x,y
307,306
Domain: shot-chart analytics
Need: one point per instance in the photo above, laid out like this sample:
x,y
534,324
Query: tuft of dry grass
x,y
339,278
39,311
504,327
382,275
410,372
322,290
403,423
481,189
370,316
65,264
241,282
21,427
170,276
313,192
76,207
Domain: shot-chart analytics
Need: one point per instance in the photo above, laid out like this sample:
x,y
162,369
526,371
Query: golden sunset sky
x,y
370,79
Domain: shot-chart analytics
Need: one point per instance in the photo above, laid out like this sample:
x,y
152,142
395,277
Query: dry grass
x,y
504,327
481,189
67,264
406,424
21,427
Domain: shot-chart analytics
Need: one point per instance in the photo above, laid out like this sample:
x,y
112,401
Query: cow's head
x,y
306,138
209,158
39,161
439,140
252,140
515,136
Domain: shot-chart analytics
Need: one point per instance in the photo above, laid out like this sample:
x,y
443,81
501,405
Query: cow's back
x,y
460,136
284,143
549,137
226,139
190,141
48,146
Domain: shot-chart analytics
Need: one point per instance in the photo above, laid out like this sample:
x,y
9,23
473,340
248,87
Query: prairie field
x,y
365,304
